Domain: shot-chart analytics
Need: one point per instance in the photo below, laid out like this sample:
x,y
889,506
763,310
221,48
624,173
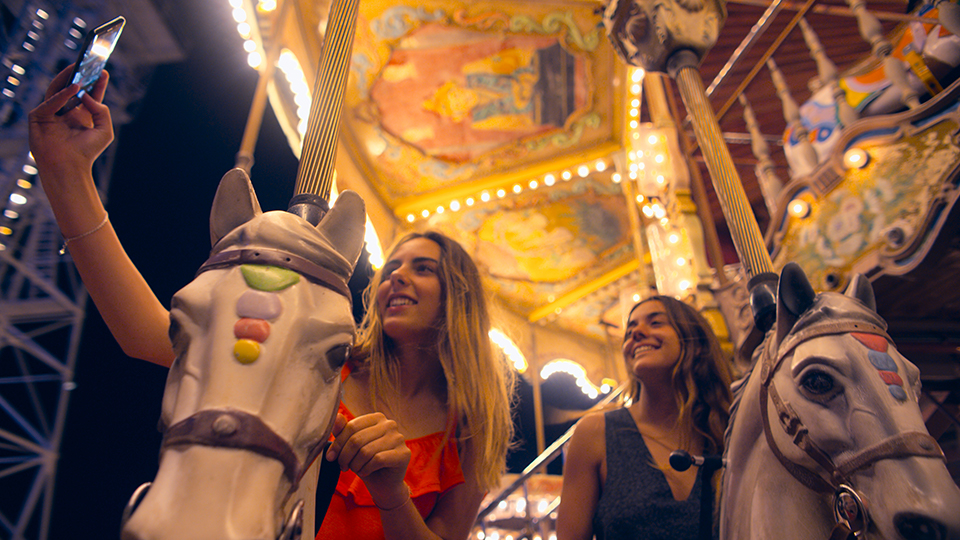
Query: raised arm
x,y
582,479
65,148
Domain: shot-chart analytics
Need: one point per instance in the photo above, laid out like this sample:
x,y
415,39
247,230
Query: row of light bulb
x,y
548,180
503,535
562,365
18,198
487,195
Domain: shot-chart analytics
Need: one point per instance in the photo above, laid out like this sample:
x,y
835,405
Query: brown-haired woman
x,y
617,482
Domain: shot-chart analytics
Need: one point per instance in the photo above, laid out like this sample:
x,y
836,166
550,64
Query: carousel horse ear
x,y
234,204
861,289
345,226
794,297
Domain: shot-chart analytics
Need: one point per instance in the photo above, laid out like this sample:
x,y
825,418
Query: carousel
x,y
587,155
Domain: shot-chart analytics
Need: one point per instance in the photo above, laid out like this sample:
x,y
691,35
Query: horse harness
x,y
230,428
849,510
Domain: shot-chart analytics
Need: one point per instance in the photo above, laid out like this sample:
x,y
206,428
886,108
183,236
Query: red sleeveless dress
x,y
434,468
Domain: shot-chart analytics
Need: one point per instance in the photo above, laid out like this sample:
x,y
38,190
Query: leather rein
x,y
849,510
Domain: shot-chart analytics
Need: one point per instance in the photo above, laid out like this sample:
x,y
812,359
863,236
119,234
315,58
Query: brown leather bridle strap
x,y
798,431
907,444
770,366
841,532
230,428
895,447
312,271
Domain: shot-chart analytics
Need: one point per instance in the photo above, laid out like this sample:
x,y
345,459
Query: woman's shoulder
x,y
595,421
591,426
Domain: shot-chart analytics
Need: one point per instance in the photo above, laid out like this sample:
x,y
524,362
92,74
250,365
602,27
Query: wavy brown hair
x,y
701,378
479,381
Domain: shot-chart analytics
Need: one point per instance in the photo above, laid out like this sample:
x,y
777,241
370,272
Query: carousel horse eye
x,y
337,355
817,383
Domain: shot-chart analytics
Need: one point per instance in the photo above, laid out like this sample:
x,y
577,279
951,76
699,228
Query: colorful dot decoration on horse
x,y
877,354
257,307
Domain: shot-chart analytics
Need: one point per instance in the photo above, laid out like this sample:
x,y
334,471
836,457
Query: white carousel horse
x,y
260,336
826,436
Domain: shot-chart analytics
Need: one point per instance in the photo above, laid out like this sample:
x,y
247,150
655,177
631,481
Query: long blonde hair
x,y
479,382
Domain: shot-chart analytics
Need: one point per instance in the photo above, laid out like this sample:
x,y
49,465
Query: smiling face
x,y
650,343
410,295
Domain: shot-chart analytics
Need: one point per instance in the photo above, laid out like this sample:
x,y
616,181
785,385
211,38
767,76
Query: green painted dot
x,y
246,351
268,278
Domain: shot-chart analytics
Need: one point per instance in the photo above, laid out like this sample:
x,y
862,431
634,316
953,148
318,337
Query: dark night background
x,y
185,135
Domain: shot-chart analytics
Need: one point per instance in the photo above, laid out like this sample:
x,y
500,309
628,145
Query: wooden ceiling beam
x,y
835,10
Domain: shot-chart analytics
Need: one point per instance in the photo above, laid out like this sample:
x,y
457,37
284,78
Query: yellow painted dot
x,y
246,351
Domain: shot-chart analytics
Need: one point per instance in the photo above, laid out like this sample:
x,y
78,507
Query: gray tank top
x,y
636,501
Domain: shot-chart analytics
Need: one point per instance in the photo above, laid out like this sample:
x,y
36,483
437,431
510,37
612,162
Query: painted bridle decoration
x,y
265,272
849,510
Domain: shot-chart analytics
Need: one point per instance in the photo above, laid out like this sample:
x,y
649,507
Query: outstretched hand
x,y
76,139
373,448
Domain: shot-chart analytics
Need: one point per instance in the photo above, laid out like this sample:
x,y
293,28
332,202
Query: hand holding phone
x,y
97,47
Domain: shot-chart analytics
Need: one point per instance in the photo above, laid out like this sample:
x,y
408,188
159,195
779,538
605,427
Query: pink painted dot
x,y
254,329
871,341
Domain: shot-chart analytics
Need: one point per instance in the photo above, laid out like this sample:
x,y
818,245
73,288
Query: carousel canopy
x,y
571,177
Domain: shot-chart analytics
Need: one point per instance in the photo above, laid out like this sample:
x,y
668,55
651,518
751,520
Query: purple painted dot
x,y
259,305
882,361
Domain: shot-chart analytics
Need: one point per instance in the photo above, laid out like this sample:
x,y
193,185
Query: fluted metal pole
x,y
733,199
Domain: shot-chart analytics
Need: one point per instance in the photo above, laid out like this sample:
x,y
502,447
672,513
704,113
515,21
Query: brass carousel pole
x,y
318,156
736,208
685,31
259,105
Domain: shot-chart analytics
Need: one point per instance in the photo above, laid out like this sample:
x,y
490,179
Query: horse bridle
x,y
284,259
231,428
849,510
228,428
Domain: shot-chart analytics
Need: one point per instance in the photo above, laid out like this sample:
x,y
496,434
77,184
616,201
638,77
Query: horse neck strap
x,y
895,447
274,257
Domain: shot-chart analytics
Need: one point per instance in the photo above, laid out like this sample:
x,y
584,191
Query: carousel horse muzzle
x,y
292,526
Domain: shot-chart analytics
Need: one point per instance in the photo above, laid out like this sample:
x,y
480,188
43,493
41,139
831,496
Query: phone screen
x,y
98,46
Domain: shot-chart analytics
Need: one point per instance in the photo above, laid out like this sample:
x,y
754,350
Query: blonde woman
x,y
425,361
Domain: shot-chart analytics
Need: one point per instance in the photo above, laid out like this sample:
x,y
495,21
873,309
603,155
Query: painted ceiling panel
x,y
442,93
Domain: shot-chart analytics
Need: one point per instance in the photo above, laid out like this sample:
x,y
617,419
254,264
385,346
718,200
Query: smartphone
x,y
96,49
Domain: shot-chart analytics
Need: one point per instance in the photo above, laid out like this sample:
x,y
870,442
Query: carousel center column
x,y
672,36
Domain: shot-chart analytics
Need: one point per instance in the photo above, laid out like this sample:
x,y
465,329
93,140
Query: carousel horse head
x,y
826,439
260,336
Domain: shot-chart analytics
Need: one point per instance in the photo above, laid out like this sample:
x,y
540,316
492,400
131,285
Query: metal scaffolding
x,y
42,300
